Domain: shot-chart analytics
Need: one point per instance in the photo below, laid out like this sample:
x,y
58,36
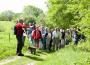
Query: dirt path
x,y
16,58
32,63
9,60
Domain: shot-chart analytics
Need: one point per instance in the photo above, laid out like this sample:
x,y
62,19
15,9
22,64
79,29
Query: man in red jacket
x,y
36,35
19,36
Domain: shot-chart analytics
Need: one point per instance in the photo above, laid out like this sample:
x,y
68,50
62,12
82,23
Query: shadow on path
x,y
34,58
41,52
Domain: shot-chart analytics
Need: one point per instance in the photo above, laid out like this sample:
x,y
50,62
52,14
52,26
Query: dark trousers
x,y
44,46
20,44
50,45
67,41
43,40
76,42
55,44
62,43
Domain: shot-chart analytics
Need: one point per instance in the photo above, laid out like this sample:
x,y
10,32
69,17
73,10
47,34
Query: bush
x,y
85,46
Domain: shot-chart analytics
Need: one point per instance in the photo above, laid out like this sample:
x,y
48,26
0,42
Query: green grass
x,y
67,56
8,46
70,55
21,61
28,58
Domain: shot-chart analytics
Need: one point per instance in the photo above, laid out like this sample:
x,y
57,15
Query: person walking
x,y
62,38
29,34
51,40
56,39
43,41
36,35
75,37
67,37
48,39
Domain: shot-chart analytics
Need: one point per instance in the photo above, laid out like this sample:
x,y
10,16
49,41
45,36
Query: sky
x,y
18,5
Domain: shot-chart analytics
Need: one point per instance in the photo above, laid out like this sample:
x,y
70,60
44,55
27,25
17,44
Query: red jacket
x,y
19,29
36,34
25,26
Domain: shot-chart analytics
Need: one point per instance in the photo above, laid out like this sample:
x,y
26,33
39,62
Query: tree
x,y
32,14
41,19
64,13
7,15
16,16
32,11
3,18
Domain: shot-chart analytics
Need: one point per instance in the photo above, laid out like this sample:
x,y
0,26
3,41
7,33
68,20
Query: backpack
x,y
36,34
14,30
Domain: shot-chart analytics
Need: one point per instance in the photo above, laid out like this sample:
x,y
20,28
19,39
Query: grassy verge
x,y
67,56
8,40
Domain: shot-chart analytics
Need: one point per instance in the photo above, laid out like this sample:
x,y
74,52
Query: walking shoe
x,y
20,54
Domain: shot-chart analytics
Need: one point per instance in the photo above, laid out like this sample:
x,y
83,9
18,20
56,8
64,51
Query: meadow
x,y
7,39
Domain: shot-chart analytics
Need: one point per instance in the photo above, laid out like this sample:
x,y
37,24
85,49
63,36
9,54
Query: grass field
x,y
7,39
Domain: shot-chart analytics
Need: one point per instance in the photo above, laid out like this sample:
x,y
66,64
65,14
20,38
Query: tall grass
x,y
70,55
8,40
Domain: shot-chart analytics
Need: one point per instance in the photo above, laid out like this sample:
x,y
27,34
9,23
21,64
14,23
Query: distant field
x,y
7,39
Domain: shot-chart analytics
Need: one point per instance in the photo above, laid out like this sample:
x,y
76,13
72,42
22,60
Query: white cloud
x,y
17,5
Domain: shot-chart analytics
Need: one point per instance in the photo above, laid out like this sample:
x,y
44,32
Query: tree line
x,y
28,11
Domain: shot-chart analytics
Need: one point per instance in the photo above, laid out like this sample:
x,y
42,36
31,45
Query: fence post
x,y
9,37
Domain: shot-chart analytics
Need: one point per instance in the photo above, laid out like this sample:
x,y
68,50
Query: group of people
x,y
44,37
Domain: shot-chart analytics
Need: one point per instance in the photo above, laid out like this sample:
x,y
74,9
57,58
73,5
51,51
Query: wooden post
x,y
9,37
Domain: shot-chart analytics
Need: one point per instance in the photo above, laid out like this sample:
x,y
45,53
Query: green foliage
x,y
41,19
70,13
29,19
3,18
6,16
16,16
85,46
32,11
65,13
32,14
